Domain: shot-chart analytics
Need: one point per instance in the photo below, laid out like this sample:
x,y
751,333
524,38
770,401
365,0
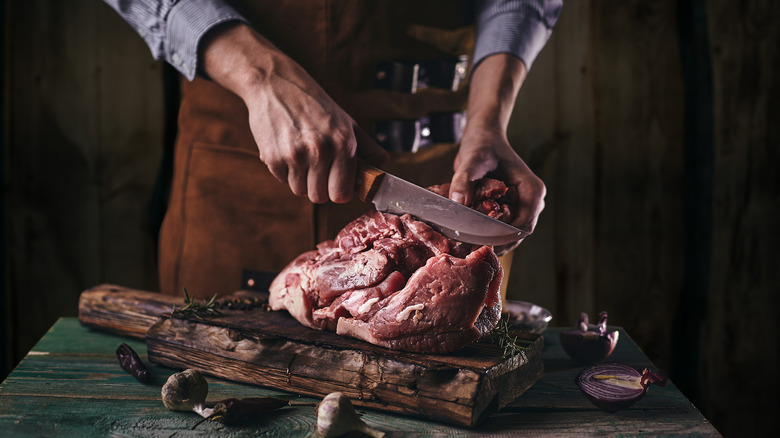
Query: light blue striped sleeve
x,y
173,28
517,27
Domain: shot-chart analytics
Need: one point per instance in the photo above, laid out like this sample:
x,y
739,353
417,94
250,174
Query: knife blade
x,y
391,194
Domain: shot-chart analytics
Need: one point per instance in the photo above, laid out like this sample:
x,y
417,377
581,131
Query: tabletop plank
x,y
255,346
71,384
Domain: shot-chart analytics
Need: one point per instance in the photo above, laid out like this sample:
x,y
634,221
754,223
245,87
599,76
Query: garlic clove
x,y
336,416
185,390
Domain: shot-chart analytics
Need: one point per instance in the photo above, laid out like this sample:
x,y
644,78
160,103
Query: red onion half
x,y
614,386
589,343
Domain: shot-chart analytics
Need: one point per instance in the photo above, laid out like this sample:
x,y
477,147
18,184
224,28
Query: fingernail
x,y
458,197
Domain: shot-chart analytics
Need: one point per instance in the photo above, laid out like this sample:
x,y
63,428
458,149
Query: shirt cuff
x,y
522,32
188,22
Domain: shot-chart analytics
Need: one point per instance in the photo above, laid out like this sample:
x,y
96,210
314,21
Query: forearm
x,y
245,62
302,135
238,58
493,90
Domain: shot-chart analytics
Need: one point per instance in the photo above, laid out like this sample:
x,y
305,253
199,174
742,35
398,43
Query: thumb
x,y
461,188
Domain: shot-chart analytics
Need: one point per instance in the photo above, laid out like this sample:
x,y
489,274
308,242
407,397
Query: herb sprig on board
x,y
201,310
211,308
503,336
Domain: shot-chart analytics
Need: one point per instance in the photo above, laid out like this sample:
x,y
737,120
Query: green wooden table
x,y
71,384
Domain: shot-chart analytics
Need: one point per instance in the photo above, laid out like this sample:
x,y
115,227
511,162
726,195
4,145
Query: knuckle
x,y
539,187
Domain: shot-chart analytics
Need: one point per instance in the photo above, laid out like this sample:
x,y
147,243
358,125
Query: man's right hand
x,y
302,135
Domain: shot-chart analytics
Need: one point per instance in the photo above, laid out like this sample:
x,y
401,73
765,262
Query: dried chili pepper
x,y
234,411
131,363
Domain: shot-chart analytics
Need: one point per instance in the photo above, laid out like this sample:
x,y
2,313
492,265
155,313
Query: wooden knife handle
x,y
367,181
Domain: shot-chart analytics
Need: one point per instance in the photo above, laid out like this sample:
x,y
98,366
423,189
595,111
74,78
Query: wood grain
x,y
599,119
740,341
85,129
123,311
72,385
640,161
271,349
552,129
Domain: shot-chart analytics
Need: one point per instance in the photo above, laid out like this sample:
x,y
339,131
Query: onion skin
x,y
589,343
614,387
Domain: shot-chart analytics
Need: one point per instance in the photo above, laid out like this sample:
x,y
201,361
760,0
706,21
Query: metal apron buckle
x,y
409,77
413,135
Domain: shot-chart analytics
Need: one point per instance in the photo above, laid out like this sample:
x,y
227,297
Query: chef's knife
x,y
391,194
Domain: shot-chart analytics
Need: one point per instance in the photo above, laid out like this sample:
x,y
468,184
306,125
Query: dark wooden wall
x,y
601,119
654,125
84,117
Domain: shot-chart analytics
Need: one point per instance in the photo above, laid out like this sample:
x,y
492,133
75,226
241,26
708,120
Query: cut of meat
x,y
446,305
358,303
491,197
395,282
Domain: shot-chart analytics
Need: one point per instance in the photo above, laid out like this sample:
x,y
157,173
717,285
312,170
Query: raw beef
x,y
395,282
491,197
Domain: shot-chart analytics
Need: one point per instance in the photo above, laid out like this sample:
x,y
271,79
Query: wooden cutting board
x,y
271,349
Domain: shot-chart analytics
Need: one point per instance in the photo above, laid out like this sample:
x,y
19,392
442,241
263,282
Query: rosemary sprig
x,y
503,336
205,309
200,310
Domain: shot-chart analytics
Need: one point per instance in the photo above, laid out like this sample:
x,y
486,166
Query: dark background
x,y
653,123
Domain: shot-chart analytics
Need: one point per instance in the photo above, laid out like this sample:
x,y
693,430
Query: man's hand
x,y
487,152
302,135
484,147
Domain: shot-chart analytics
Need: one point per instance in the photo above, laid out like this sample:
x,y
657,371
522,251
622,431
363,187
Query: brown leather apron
x,y
227,213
